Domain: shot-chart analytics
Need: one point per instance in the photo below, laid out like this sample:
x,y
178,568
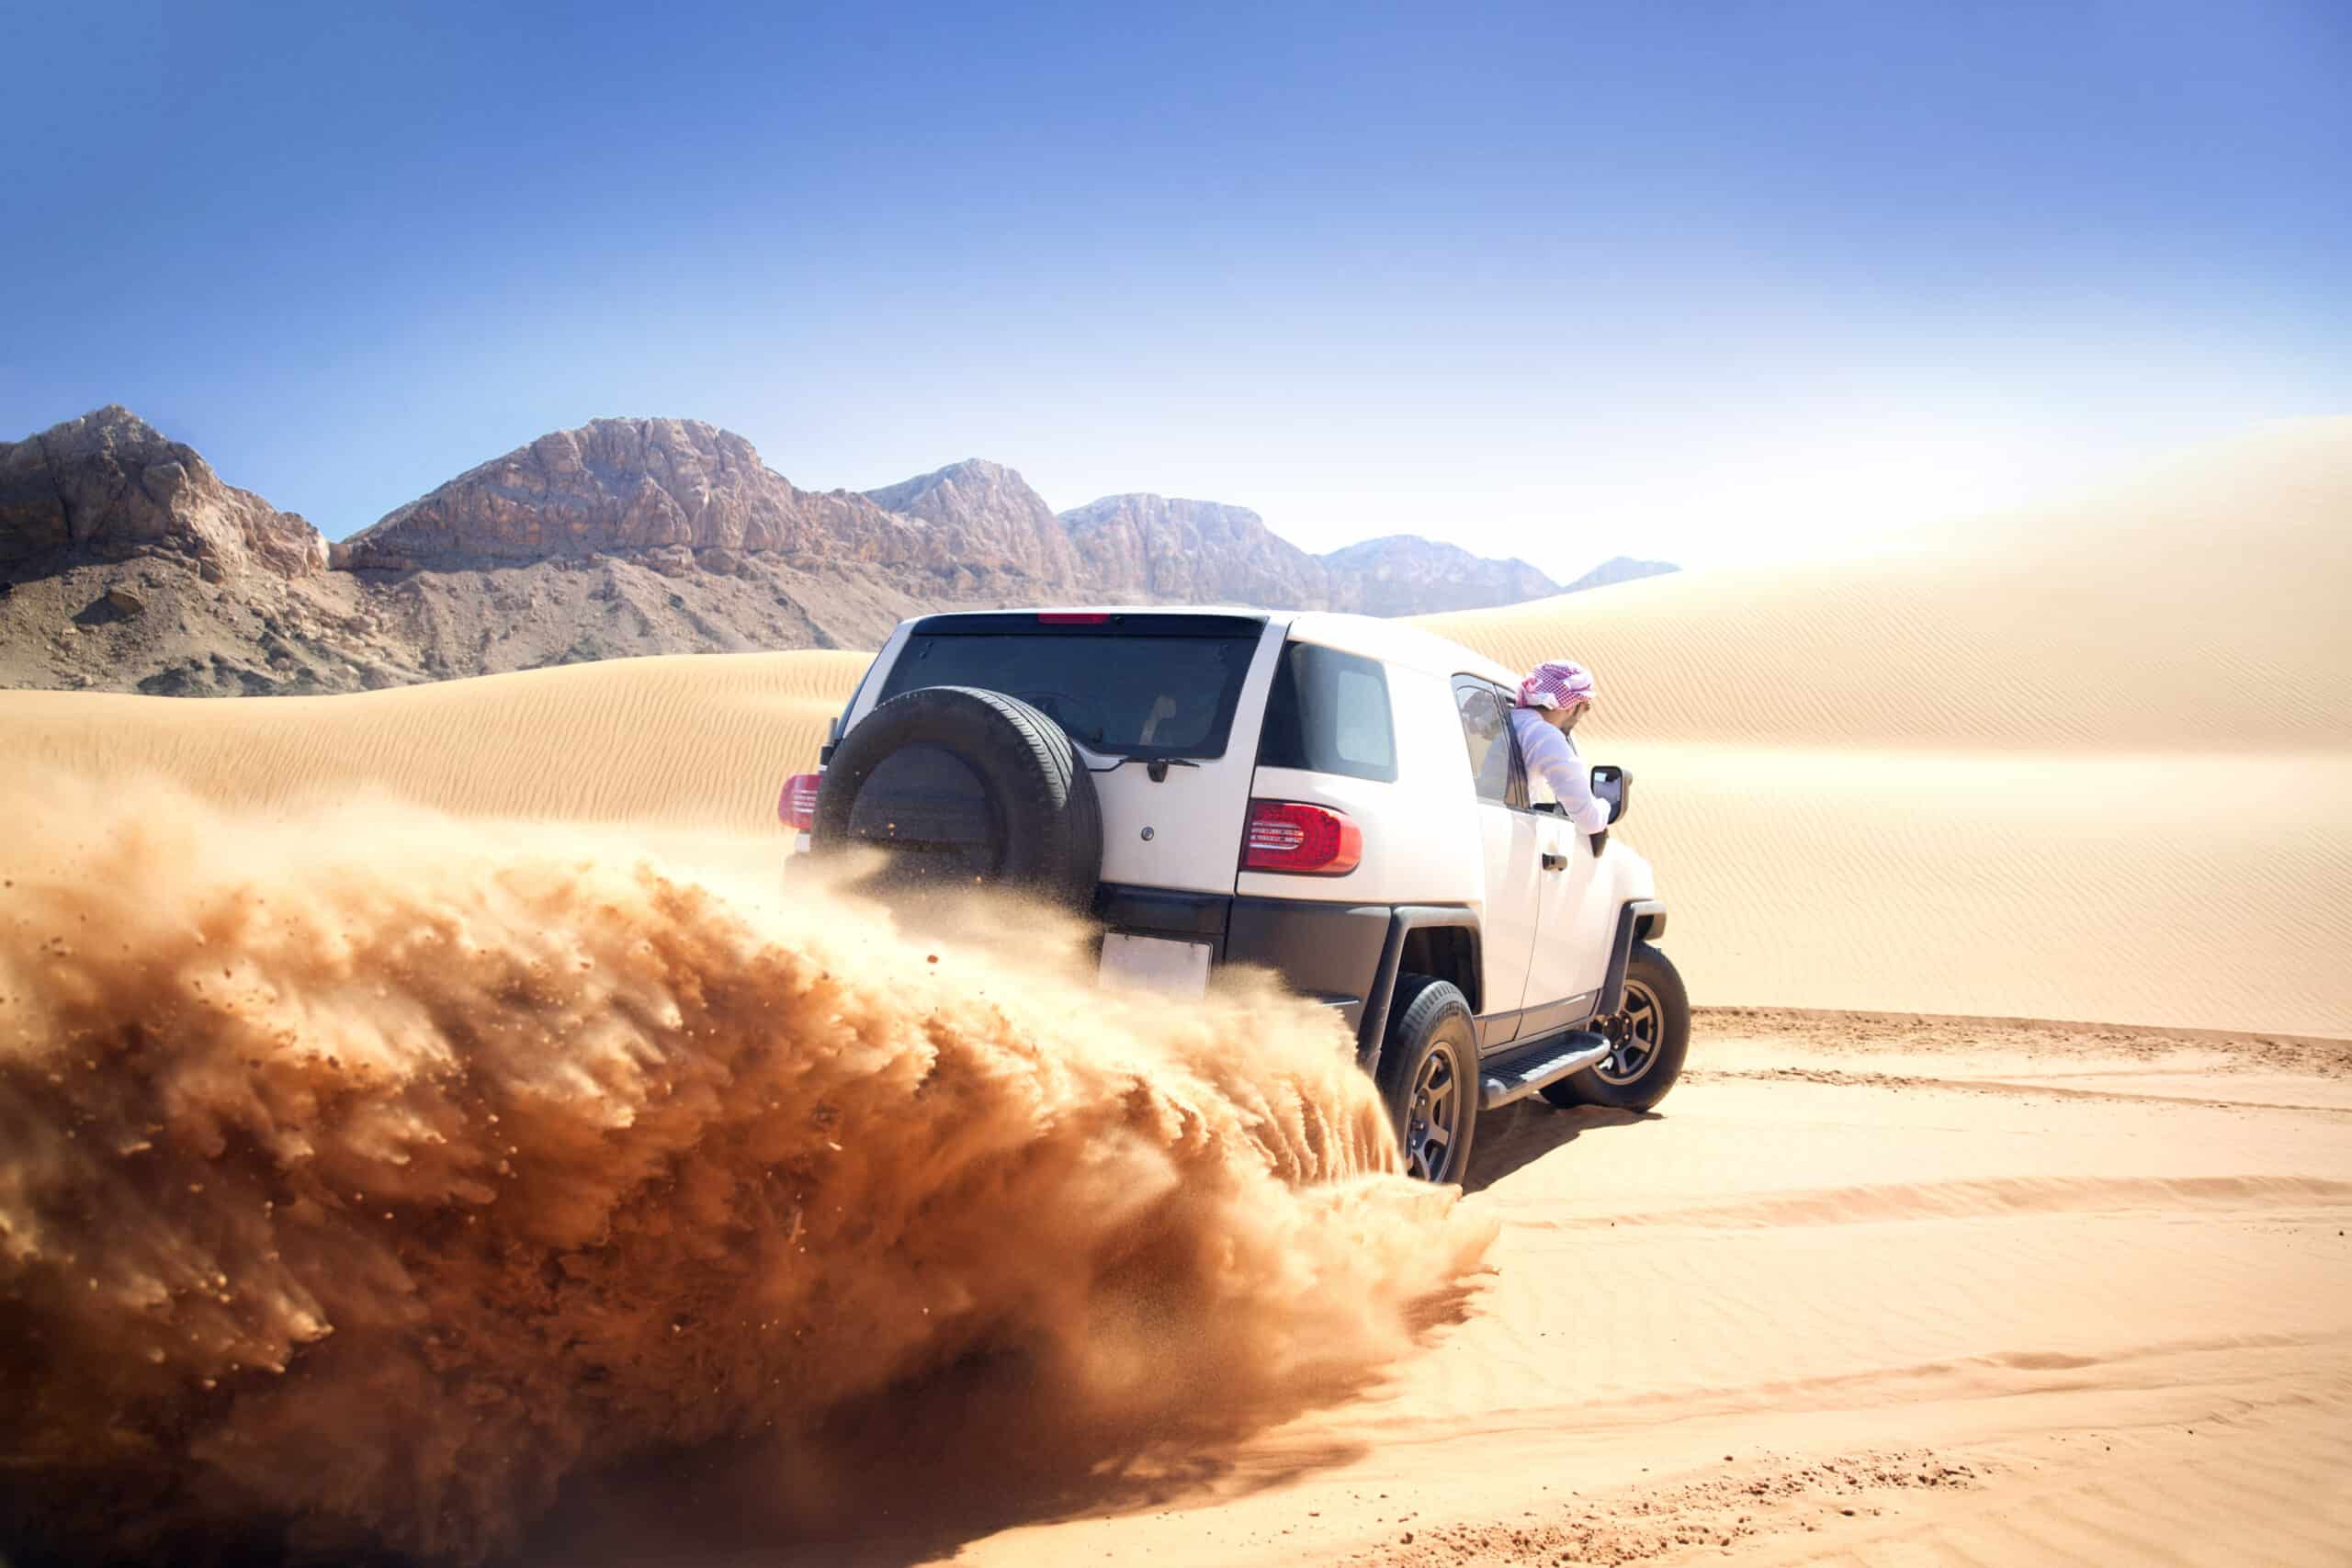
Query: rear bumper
x,y
1329,951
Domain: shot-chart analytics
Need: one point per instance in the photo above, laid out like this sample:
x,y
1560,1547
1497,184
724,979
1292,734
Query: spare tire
x,y
962,786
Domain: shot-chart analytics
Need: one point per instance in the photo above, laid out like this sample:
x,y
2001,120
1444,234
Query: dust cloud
x,y
365,1174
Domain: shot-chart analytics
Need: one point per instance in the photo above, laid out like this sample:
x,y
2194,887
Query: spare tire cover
x,y
965,786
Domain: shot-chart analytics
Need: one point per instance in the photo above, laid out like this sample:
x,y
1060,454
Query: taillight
x,y
1290,835
797,804
1074,618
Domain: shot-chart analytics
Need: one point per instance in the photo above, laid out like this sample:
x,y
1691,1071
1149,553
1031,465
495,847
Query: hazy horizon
x,y
1707,285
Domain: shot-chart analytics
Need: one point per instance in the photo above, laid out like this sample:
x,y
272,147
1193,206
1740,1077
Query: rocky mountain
x,y
984,514
691,494
1143,549
633,485
127,564
109,486
1149,548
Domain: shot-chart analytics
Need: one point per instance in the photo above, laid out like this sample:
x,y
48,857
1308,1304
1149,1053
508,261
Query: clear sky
x,y
1703,280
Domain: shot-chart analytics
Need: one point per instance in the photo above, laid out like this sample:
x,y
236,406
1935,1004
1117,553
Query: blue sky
x,y
1699,280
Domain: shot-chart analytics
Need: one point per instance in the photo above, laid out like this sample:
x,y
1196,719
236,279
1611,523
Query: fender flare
x,y
1372,1032
1639,919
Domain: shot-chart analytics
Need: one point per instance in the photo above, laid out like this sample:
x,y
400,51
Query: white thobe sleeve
x,y
1549,757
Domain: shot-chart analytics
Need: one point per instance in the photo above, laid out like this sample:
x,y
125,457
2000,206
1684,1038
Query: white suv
x,y
1335,797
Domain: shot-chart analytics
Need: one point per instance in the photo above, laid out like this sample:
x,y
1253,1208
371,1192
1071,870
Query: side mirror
x,y
1614,785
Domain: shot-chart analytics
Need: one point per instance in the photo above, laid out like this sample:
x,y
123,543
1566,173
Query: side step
x,y
1556,1059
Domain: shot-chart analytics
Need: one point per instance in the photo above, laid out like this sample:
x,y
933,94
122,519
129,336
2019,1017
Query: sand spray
x,y
366,1176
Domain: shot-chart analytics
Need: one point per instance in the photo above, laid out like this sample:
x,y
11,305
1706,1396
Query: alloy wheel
x,y
1637,1047
1433,1125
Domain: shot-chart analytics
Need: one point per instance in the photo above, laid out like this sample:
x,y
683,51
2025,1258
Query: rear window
x,y
1168,689
1329,713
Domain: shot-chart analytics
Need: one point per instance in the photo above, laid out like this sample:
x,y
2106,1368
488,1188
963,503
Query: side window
x,y
1328,713
1485,729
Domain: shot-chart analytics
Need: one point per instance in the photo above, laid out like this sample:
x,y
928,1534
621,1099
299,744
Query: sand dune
x,y
2198,609
682,739
2091,764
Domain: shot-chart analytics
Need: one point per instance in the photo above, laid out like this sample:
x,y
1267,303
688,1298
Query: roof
x,y
1398,643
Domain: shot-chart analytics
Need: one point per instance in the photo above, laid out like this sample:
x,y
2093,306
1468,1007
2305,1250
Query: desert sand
x,y
2000,1218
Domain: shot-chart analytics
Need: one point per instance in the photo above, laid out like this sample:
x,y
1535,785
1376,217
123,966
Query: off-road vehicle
x,y
1336,797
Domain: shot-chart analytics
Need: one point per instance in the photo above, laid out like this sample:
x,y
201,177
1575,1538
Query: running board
x,y
1572,1052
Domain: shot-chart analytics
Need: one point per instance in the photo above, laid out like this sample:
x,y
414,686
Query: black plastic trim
x,y
1372,1031
1026,623
1344,955
1323,950
1158,911
1630,919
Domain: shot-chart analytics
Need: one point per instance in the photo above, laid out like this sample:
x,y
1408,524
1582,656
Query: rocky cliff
x,y
985,514
630,485
1151,549
109,486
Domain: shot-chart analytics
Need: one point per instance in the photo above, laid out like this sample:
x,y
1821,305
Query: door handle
x,y
1555,862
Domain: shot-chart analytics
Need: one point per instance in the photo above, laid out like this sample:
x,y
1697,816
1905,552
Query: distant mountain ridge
x,y
1619,568
126,563
1405,574
976,527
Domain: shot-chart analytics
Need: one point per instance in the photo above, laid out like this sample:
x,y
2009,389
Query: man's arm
x,y
1549,757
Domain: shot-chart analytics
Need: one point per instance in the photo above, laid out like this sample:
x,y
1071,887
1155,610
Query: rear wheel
x,y
1648,1055
1429,1076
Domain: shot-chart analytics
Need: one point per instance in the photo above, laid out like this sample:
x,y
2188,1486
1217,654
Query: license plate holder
x,y
1154,963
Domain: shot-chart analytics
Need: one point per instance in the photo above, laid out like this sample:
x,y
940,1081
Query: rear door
x,y
1509,836
1140,693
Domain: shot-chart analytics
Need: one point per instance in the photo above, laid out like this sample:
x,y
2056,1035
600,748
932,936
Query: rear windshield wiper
x,y
1156,767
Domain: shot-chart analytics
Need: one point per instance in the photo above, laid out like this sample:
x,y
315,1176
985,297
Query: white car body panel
x,y
1419,846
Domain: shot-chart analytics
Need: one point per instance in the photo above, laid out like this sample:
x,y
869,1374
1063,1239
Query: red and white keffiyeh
x,y
1556,684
